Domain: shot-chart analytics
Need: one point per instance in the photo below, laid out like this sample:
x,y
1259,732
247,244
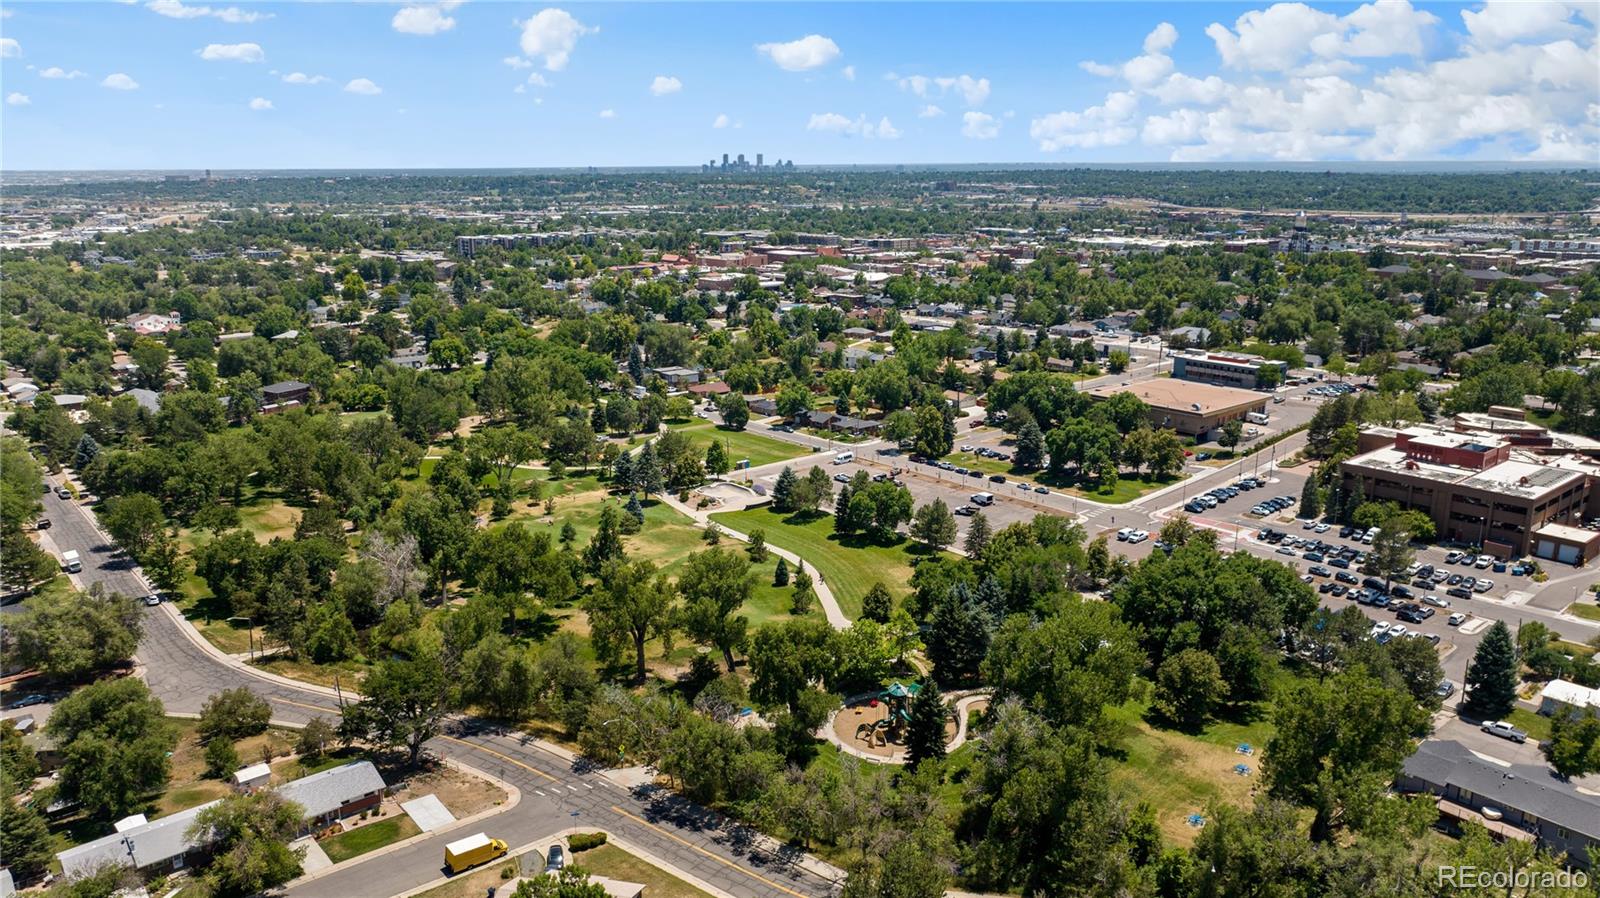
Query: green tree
x,y
877,605
1491,681
780,574
935,430
934,526
24,840
1391,550
135,521
783,491
925,731
606,544
115,744
1573,748
1069,666
249,837
75,634
1231,435
717,459
222,759
757,547
571,882
735,414
404,702
978,534
315,737
234,714
1310,499
632,604
715,584
1189,687
1030,446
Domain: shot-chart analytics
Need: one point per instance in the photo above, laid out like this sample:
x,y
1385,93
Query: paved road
x,y
183,674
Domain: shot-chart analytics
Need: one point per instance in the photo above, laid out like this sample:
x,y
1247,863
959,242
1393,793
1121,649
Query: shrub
x,y
585,841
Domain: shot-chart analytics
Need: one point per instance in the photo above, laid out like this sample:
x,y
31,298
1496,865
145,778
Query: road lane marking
x,y
588,786
716,857
541,792
503,757
285,701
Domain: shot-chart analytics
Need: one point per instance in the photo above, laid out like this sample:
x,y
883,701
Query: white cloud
x,y
721,121
1182,89
173,9
246,52
303,78
1142,70
17,99
1161,39
973,91
517,62
537,80
1109,124
261,104
979,126
930,111
834,123
608,113
809,52
57,72
849,72
363,86
520,89
1277,38
665,84
551,35
9,48
1501,22
424,19
119,81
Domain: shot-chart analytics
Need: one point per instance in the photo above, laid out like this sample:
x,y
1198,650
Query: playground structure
x,y
873,725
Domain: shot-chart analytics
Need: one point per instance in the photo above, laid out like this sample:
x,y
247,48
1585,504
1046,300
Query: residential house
x,y
715,388
1557,694
284,394
160,846
677,376
336,793
150,324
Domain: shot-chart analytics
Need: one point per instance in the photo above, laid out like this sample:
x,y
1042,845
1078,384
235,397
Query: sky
x,y
173,84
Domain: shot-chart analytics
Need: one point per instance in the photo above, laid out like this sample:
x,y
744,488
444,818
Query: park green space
x,y
1126,489
849,566
740,444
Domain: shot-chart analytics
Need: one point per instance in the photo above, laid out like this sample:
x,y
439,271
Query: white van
x,y
983,498
70,561
1256,417
840,458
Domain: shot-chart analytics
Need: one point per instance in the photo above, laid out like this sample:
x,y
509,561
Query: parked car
x,y
1446,689
1138,536
1504,731
1435,601
555,860
1124,533
997,478
1456,619
42,524
965,510
153,599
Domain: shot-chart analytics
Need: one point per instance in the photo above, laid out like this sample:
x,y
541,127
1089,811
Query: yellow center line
x,y
284,701
716,857
503,757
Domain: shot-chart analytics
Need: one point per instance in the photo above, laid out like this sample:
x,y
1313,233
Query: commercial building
x,y
1229,369
1191,409
1483,489
1521,802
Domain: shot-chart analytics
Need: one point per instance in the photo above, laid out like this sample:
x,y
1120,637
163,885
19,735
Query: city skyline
x,y
169,84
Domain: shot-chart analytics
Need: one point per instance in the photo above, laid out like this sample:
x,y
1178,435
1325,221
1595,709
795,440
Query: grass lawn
x,y
367,838
1127,489
347,673
1585,610
1180,773
741,444
472,885
611,861
848,567
1537,726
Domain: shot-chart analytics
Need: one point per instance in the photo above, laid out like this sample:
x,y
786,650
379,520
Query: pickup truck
x,y
1504,731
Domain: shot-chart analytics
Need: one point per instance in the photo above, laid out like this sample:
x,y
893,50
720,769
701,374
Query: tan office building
x,y
1192,409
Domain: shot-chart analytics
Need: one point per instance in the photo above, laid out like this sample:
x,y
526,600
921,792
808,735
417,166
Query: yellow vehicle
x,y
476,849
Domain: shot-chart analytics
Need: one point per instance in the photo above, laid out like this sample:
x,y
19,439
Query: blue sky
x,y
174,84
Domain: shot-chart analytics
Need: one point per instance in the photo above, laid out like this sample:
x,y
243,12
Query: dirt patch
x,y
463,793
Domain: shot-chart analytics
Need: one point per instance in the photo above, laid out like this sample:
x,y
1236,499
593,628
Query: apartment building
x,y
1229,369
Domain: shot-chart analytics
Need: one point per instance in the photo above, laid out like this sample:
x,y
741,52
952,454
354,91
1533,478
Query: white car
x,y
1138,536
1483,562
966,448
1456,619
1483,586
1124,533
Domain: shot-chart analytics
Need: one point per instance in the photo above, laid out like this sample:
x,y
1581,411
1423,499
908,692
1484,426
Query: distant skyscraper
x,y
758,160
741,160
724,160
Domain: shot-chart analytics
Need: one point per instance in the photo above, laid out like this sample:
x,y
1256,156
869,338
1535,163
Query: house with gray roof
x,y
337,792
1517,801
160,846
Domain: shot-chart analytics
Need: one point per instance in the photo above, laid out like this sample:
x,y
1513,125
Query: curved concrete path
x,y
964,700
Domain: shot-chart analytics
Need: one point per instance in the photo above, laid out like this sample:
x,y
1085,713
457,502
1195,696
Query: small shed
x,y
251,778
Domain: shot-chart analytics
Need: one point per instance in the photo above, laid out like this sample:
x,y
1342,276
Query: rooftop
x,y
1528,789
322,793
1184,395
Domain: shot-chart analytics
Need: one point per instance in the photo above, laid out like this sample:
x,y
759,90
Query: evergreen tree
x,y
957,639
622,472
878,604
569,534
977,535
1353,499
804,594
991,598
1311,499
88,450
1030,446
647,473
783,490
843,521
925,729
1492,676
635,364
757,548
597,419
635,508
24,840
606,543
780,577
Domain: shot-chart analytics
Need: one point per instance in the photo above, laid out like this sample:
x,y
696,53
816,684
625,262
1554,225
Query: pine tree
x,y
606,543
842,519
783,490
1030,446
925,729
1491,680
1353,499
878,604
647,472
804,594
622,472
1311,499
597,419
957,639
977,535
634,508
757,549
991,598
780,577
88,450
635,364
